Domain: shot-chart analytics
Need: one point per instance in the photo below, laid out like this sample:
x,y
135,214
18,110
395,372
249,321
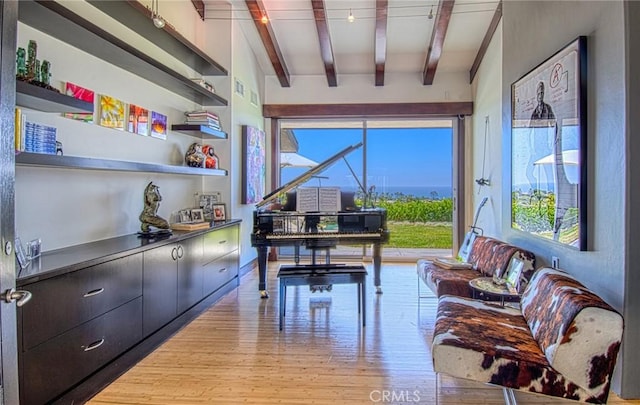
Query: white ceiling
x,y
409,31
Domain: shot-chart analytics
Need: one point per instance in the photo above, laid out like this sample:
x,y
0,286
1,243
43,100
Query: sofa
x,y
563,341
488,256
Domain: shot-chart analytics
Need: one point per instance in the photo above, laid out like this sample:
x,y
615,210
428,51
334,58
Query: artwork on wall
x,y
111,112
83,94
548,148
138,121
254,165
158,125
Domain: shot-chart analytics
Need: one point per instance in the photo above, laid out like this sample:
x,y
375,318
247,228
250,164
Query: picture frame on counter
x,y
219,212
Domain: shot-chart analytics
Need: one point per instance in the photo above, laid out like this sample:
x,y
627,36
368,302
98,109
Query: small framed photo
x,y
23,261
219,212
513,273
197,215
185,216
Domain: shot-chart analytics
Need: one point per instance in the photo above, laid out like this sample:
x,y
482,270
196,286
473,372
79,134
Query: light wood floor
x,y
234,352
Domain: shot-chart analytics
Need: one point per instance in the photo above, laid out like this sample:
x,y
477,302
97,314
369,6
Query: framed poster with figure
x,y
549,148
254,164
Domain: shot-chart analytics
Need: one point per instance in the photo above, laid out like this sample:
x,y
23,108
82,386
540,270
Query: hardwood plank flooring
x,y
234,353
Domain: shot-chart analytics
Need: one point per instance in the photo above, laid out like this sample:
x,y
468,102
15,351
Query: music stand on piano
x,y
289,227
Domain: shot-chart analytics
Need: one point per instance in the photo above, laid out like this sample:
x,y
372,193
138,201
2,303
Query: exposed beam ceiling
x,y
486,41
381,39
324,39
199,5
443,16
257,10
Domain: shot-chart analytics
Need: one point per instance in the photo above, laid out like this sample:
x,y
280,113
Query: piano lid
x,y
307,175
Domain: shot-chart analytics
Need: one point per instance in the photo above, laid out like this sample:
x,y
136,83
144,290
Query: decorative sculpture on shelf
x,y
45,73
21,64
32,50
195,157
211,161
149,216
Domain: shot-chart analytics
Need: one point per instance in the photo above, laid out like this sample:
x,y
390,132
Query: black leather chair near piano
x,y
286,226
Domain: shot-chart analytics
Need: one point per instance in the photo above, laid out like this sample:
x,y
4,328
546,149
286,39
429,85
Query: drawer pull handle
x,y
180,252
222,270
94,345
94,292
222,242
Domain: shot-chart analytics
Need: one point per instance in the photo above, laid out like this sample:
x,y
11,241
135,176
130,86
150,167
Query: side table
x,y
484,287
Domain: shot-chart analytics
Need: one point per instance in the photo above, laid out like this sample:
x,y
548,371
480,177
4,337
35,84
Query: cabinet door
x,y
159,287
189,273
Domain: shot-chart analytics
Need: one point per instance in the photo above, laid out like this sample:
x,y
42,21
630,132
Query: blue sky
x,y
407,157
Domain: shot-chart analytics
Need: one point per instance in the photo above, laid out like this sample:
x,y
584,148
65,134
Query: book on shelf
x,y
451,263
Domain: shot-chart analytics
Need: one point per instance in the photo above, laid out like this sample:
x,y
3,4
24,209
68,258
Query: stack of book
x,y
203,117
39,138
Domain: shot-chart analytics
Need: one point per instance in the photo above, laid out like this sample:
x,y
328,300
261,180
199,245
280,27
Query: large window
x,y
408,165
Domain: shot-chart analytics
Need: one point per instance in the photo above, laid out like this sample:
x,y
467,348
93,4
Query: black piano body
x,y
347,224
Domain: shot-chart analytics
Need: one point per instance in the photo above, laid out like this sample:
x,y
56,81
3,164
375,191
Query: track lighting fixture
x,y
158,21
430,16
351,18
264,19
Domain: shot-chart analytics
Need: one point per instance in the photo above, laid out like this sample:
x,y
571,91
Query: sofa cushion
x,y
577,331
446,281
492,344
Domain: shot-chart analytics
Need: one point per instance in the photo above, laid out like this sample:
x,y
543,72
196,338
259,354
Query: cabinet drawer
x,y
219,243
219,272
58,364
63,302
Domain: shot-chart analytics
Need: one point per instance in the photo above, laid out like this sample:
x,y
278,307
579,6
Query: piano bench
x,y
322,275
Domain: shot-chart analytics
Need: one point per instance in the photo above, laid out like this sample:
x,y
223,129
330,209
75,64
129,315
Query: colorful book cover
x,y
111,112
138,122
83,94
158,125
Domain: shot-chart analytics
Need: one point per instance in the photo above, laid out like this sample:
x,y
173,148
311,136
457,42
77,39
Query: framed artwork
x,y
513,274
197,215
206,201
83,94
254,164
549,148
158,125
23,261
185,216
111,112
219,212
138,121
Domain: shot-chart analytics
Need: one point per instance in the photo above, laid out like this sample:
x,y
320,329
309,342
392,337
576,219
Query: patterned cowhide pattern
x,y
488,255
491,344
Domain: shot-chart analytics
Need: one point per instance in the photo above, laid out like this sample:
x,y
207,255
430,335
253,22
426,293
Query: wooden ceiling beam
x,y
367,110
265,30
324,39
497,15
441,24
382,10
199,6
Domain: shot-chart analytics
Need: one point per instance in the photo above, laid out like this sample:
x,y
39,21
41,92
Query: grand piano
x,y
293,224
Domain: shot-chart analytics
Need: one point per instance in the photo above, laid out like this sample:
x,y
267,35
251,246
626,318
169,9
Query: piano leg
x,y
377,264
262,271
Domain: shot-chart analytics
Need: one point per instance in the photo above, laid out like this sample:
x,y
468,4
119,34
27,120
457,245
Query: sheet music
x,y
316,199
329,199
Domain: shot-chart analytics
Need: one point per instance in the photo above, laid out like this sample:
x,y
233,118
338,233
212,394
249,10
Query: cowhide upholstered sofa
x,y
488,256
563,341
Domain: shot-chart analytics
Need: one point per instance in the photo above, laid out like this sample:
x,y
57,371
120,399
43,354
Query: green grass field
x,y
436,235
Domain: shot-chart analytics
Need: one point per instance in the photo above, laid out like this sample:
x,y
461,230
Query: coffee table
x,y
485,288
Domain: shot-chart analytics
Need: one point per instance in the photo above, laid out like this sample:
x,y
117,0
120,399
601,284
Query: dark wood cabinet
x,y
80,321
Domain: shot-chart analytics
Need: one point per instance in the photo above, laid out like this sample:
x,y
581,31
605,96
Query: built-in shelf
x,y
137,17
199,131
53,19
38,98
75,162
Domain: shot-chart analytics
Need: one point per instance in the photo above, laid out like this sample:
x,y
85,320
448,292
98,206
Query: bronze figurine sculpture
x,y
149,217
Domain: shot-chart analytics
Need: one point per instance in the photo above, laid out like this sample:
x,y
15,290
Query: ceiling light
x,y
155,15
351,18
430,16
264,19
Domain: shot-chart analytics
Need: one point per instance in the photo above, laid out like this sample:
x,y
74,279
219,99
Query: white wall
x,y
533,31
